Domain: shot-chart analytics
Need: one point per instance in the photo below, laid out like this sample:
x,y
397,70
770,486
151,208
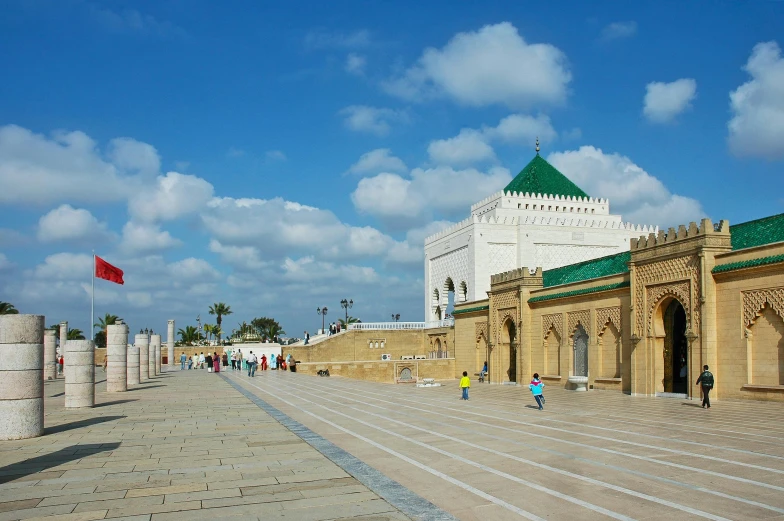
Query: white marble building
x,y
540,218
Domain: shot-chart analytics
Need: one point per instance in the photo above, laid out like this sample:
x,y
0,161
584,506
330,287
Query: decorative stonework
x,y
502,257
608,315
504,305
480,328
552,321
452,265
679,275
754,301
582,317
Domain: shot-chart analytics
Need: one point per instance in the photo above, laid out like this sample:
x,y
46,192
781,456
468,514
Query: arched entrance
x,y
580,351
509,337
676,349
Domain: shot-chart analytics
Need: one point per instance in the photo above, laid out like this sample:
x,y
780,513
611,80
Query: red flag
x,y
104,270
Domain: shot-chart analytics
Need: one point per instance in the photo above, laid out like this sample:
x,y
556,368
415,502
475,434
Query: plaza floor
x,y
195,445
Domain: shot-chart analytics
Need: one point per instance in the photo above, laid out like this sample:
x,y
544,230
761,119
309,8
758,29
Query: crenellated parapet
x,y
524,275
719,235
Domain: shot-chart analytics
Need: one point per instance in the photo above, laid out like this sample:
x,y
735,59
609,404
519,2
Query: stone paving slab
x,y
184,445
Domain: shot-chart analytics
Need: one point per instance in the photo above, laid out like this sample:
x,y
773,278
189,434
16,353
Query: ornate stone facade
x,y
606,316
553,321
582,318
755,300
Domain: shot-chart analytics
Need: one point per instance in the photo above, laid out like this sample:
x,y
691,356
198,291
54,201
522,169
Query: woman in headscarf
x,y
273,362
208,362
216,362
225,359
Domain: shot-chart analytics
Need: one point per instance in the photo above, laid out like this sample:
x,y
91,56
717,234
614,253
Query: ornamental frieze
x,y
582,317
755,300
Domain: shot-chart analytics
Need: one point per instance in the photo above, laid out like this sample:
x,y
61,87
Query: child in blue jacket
x,y
537,387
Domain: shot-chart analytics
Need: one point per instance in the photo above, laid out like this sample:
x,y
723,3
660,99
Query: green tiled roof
x,y
540,177
601,267
470,310
762,261
756,233
576,292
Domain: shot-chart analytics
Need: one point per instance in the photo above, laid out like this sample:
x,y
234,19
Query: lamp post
x,y
395,316
346,304
323,313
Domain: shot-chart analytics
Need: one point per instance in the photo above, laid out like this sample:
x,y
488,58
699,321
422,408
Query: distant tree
x,y
103,323
268,328
351,320
6,308
220,310
189,335
75,334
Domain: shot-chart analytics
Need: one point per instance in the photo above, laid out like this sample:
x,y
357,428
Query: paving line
x,y
562,472
626,442
602,449
391,491
555,452
465,486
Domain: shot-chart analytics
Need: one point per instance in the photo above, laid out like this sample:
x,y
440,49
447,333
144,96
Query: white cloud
x,y
65,266
361,118
377,161
244,258
664,101
275,155
572,134
491,65
67,166
411,251
134,156
468,147
619,30
308,269
757,124
173,195
634,193
193,269
355,64
522,129
140,238
392,196
67,223
5,264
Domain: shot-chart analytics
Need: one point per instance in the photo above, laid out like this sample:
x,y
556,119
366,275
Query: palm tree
x,y
107,320
273,331
220,309
217,331
6,308
351,320
75,334
189,335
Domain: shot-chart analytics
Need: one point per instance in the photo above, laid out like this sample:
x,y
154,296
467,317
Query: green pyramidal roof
x,y
758,232
540,177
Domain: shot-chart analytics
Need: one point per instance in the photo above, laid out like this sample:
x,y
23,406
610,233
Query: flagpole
x,y
92,304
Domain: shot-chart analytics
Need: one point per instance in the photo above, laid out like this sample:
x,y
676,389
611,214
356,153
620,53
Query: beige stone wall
x,y
471,338
750,305
384,372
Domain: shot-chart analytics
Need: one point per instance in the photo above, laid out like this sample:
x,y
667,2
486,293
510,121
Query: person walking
x,y
208,362
465,384
263,362
190,363
216,362
183,359
239,359
307,338
537,387
233,360
225,360
251,364
201,360
62,363
706,381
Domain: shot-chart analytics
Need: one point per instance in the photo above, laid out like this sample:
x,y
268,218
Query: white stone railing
x,y
388,326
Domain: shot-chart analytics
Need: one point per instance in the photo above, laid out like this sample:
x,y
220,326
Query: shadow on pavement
x,y
144,387
80,423
30,466
115,402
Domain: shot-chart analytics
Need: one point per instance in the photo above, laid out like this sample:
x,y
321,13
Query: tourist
x,y
483,374
208,362
537,387
233,360
201,360
706,379
273,361
225,360
183,359
465,384
239,359
279,361
293,365
216,362
62,363
307,338
190,363
251,361
263,362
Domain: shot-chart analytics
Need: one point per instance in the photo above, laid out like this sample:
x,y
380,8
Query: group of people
x,y
212,362
334,328
275,362
239,361
536,386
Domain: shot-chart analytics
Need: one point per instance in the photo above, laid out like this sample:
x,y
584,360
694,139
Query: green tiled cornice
x,y
577,292
758,232
540,177
470,310
762,261
592,269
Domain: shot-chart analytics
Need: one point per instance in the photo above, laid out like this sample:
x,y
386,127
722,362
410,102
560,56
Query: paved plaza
x,y
195,445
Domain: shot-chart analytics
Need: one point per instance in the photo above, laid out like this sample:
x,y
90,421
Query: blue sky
x,y
281,157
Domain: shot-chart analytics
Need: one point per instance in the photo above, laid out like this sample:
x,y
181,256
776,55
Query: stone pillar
x,y
144,357
133,372
79,373
63,337
117,353
170,344
151,357
50,354
21,385
155,341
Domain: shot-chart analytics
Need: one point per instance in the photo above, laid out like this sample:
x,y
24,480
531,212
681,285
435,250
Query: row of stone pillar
x,y
28,357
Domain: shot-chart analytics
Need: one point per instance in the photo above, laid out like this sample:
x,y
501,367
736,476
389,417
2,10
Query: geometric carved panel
x,y
606,316
755,300
480,328
579,317
552,321
679,276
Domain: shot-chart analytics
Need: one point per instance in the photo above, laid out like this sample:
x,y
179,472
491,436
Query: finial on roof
x,y
537,144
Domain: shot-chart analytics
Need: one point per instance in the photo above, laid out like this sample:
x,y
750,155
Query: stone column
x,y
63,337
21,385
170,344
144,357
151,357
117,352
155,340
133,372
79,373
50,354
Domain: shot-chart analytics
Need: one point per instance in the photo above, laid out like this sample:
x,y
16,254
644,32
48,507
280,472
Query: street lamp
x,y
346,304
323,313
395,316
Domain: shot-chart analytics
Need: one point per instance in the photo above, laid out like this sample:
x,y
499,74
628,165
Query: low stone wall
x,y
385,372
